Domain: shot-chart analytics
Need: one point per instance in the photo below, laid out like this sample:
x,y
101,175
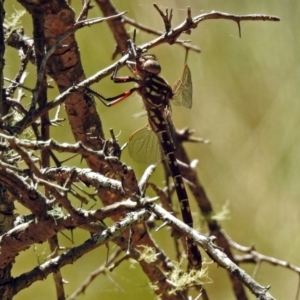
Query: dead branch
x,y
214,252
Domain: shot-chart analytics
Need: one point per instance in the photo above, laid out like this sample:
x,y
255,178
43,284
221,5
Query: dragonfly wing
x,y
187,90
183,89
144,147
177,92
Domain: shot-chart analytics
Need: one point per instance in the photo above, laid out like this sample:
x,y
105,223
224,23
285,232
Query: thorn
x,y
162,225
152,199
129,241
194,163
212,238
167,18
134,35
239,26
189,14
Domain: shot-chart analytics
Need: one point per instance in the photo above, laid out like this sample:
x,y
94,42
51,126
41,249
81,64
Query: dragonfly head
x,y
150,64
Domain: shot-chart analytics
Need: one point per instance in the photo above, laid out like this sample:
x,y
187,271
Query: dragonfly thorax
x,y
155,91
150,64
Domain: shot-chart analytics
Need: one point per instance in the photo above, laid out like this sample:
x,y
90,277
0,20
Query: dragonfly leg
x,y
112,100
116,99
121,79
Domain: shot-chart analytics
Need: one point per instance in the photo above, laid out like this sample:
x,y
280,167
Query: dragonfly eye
x,y
151,66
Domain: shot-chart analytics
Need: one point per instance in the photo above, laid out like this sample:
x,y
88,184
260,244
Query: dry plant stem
x,y
82,115
3,105
172,36
101,270
165,202
167,18
40,91
40,97
20,126
159,33
58,196
57,228
39,230
79,24
15,83
17,80
256,257
69,257
86,6
6,203
114,164
31,198
206,208
7,218
57,276
189,24
162,197
145,178
64,67
86,176
214,252
110,210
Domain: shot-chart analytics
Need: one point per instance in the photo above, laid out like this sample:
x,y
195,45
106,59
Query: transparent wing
x,y
183,89
143,146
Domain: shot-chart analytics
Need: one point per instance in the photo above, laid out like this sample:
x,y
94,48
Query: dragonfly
x,y
156,94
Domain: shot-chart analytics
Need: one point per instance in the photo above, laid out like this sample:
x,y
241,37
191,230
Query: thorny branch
x,y
69,257
42,229
215,253
169,37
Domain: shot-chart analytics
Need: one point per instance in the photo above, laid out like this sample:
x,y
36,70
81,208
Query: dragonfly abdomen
x,y
168,151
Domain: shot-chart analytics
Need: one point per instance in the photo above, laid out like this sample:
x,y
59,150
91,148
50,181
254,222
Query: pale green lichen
x,y
223,214
13,22
148,254
184,280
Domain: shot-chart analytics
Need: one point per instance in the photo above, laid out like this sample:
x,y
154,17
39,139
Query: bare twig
x,y
43,229
147,29
101,270
111,233
256,257
166,17
60,39
173,35
214,252
57,276
146,176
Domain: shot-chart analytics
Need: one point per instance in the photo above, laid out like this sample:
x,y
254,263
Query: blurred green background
x,y
246,94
